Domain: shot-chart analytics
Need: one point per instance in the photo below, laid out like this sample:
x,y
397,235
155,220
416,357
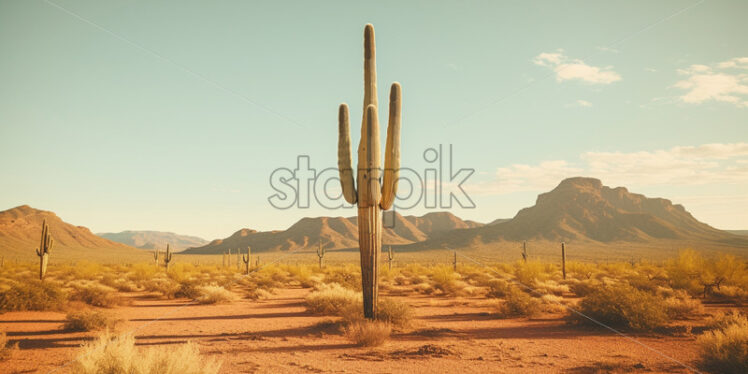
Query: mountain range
x,y
154,239
577,210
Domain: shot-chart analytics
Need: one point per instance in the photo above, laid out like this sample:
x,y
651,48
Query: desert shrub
x,y
624,306
584,287
552,304
725,350
722,320
113,355
446,280
551,287
497,288
369,333
89,320
165,286
346,276
396,313
96,295
332,299
682,306
529,272
214,295
6,348
518,304
33,295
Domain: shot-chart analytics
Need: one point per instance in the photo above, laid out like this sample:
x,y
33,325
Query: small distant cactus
x,y
247,260
43,251
155,256
320,254
167,258
524,251
454,261
390,257
563,259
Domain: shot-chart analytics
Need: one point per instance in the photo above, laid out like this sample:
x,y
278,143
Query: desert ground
x,y
456,320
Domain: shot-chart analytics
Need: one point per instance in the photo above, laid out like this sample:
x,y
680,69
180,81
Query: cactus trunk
x,y
370,244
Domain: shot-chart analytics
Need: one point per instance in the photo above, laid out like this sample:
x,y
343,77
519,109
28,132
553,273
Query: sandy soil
x,y
278,336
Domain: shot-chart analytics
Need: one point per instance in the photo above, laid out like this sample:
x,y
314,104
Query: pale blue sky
x,y
171,115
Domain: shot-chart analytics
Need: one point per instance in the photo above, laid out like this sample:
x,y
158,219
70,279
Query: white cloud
x,y
678,166
722,82
575,69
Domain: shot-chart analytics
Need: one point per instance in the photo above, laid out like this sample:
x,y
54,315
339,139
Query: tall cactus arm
x,y
344,155
370,69
369,190
392,149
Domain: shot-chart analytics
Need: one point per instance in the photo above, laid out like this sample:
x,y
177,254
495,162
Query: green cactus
x,y
374,193
247,260
167,258
563,259
390,257
155,257
45,246
320,254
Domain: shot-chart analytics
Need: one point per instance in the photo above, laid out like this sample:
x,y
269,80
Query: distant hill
x,y
20,228
337,233
154,239
738,232
582,209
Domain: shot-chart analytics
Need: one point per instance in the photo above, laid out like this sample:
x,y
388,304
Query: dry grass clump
x,y
332,299
497,288
96,295
550,287
214,295
518,304
168,288
33,295
396,313
110,354
6,348
369,333
89,320
346,276
682,306
624,306
725,350
722,320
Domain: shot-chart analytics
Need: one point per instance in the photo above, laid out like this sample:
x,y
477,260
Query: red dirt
x,y
278,336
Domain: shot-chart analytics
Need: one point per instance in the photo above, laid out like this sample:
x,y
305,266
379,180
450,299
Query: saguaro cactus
x,y
390,257
563,259
247,260
167,258
454,262
45,246
155,257
374,193
320,254
524,251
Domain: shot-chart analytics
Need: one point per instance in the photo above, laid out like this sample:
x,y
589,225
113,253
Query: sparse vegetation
x,y
214,295
369,333
33,295
89,320
118,354
518,304
624,306
725,349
